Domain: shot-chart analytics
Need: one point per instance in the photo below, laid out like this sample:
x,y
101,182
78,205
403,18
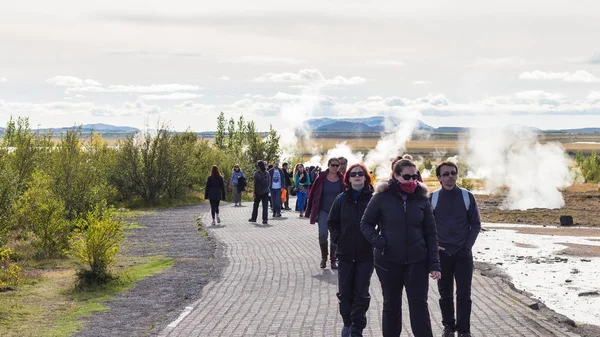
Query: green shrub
x,y
467,183
10,273
40,211
95,244
590,167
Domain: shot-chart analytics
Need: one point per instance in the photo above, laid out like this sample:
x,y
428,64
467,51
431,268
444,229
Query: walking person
x,y
458,224
277,184
288,185
301,182
215,192
262,181
323,192
234,182
399,222
354,252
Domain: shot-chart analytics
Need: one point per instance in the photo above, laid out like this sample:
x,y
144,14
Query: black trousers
x,y
265,207
354,279
415,278
456,267
214,207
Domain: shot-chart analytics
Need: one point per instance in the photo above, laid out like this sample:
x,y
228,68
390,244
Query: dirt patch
x,y
579,201
525,245
558,231
580,250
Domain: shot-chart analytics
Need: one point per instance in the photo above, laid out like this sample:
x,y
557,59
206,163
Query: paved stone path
x,y
273,286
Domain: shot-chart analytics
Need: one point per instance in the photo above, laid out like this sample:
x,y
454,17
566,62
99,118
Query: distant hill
x,y
375,124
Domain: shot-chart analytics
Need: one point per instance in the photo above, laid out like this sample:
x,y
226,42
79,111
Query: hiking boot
x,y
252,220
346,331
448,332
323,256
464,334
265,222
213,222
333,257
218,219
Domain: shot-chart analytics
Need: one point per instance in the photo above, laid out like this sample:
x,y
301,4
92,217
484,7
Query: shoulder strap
x,y
434,198
465,195
466,199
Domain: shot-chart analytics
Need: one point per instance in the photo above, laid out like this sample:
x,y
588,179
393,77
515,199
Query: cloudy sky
x,y
452,63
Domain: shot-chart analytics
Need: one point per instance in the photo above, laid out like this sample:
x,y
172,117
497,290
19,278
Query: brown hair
x,y
438,169
215,172
401,164
347,175
331,160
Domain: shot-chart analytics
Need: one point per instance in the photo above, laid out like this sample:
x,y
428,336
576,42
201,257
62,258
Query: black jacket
x,y
262,183
400,236
215,188
344,225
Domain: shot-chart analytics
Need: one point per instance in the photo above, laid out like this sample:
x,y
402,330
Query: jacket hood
x,y
385,186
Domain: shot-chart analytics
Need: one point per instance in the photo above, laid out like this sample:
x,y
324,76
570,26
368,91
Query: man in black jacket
x,y
458,224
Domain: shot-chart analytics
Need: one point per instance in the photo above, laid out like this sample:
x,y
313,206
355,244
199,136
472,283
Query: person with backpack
x,y
399,223
237,185
278,183
458,224
262,183
215,192
354,252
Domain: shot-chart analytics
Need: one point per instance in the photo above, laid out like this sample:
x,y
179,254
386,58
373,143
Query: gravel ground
x,y
156,301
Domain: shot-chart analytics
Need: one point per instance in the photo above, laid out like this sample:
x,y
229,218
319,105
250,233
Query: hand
x,y
441,248
436,275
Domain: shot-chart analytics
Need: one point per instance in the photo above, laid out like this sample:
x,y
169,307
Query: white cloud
x,y
3,79
499,62
71,81
593,59
421,82
75,84
171,96
224,78
577,76
309,76
300,76
264,60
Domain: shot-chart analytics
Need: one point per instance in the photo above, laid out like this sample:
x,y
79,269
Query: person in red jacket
x,y
328,185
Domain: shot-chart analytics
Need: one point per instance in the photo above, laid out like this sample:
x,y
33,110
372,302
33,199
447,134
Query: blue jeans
x,y
301,200
324,229
276,200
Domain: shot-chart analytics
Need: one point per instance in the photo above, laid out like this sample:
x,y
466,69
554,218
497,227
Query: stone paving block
x,y
273,286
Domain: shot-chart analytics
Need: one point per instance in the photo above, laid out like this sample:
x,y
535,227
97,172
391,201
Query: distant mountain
x,y
582,130
374,124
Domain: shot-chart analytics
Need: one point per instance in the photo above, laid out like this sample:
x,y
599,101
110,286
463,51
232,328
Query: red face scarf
x,y
409,187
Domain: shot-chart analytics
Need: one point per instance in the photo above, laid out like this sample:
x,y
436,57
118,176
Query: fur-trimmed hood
x,y
385,186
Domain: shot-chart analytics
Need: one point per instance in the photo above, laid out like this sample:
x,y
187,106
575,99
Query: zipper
x,y
404,198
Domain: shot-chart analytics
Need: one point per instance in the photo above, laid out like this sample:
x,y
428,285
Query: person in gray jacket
x,y
399,222
458,224
262,183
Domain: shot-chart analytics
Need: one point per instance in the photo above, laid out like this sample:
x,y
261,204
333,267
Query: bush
x,y
40,211
95,244
590,167
467,184
10,273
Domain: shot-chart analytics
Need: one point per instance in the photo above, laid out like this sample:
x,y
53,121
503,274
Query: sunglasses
x,y
354,174
410,176
334,165
451,173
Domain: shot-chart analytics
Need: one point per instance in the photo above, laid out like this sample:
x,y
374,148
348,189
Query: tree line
x,y
58,197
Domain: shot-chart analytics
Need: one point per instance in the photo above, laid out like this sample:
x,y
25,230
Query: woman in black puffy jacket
x,y
354,252
399,222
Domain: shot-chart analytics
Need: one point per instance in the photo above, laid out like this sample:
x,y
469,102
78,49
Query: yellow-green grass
x,y
49,304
